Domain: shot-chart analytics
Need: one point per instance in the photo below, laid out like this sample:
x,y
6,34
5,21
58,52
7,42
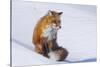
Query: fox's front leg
x,y
44,42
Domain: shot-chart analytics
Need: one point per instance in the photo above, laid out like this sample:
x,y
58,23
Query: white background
x,y
5,31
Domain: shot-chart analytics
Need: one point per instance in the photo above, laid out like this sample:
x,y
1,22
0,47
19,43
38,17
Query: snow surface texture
x,y
77,35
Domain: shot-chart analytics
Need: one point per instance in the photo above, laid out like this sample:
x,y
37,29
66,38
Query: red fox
x,y
45,34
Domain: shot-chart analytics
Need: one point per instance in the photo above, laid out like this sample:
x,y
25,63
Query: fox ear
x,y
53,13
50,12
60,13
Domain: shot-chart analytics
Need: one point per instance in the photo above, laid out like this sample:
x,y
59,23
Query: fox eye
x,y
54,21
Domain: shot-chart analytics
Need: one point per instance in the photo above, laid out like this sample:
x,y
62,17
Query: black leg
x,y
46,50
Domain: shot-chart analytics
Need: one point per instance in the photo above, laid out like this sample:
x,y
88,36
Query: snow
x,y
22,56
77,35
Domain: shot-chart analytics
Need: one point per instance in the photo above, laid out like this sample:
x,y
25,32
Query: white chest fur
x,y
50,32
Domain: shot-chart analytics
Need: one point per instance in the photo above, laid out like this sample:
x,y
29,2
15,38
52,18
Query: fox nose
x,y
59,26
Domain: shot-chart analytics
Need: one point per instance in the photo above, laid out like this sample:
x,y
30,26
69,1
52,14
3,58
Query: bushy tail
x,y
58,54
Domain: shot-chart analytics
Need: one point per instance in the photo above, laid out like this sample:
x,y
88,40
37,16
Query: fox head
x,y
55,18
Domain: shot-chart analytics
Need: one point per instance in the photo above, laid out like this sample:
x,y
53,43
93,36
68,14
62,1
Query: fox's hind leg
x,y
39,48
